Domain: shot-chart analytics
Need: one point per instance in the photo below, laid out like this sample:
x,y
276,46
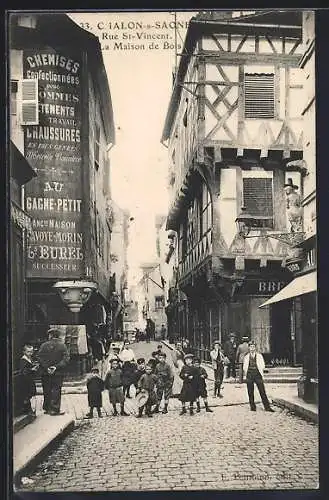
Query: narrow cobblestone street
x,y
232,448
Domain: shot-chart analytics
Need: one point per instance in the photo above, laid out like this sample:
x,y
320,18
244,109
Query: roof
x,y
62,32
262,22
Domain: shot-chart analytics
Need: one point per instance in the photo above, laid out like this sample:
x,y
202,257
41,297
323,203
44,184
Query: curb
x,y
298,410
20,422
41,452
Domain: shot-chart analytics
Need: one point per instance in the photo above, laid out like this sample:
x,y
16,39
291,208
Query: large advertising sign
x,y
53,147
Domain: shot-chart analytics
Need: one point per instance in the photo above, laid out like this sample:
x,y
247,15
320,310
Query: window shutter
x,y
30,104
258,196
259,95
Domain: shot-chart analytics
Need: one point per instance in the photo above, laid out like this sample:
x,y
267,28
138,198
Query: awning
x,y
298,286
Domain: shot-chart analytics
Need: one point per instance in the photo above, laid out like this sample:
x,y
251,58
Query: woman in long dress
x,y
127,357
178,362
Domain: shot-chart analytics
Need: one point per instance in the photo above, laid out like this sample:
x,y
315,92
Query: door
x,y
281,342
239,319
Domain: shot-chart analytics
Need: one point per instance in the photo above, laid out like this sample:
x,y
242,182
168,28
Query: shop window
x,y
259,95
258,201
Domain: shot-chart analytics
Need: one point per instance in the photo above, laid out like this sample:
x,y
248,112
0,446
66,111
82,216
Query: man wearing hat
x,y
230,348
253,370
53,356
241,351
217,363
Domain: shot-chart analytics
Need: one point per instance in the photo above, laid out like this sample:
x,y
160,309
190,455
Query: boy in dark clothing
x,y
139,371
114,384
201,385
26,387
154,360
189,375
95,386
147,384
165,382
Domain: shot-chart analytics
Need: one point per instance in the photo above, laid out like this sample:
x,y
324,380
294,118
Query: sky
x,y
140,81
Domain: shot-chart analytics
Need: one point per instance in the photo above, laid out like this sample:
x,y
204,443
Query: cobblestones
x,y
231,448
207,451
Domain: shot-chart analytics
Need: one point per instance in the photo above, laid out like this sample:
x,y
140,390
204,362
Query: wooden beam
x,y
217,115
252,29
217,43
294,47
241,43
220,95
240,104
271,44
201,76
229,45
223,119
233,58
217,155
217,82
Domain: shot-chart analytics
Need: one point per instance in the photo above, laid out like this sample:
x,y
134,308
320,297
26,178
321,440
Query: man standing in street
x,y
241,351
230,347
217,362
163,332
53,356
253,369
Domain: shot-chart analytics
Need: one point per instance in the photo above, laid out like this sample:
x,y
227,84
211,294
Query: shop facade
x,y
66,128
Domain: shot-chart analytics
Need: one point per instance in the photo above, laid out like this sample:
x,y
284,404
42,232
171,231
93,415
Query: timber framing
x,y
233,58
199,27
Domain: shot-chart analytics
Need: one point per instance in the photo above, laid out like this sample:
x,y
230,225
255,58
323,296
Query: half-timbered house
x,y
234,135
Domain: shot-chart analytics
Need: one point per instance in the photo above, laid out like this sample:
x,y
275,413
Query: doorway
x,y
281,342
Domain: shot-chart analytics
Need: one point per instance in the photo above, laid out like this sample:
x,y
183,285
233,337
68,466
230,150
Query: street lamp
x,y
75,294
245,222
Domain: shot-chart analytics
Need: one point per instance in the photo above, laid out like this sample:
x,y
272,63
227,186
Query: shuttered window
x,y
259,99
30,105
258,200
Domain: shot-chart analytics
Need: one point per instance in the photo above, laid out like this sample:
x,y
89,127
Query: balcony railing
x,y
196,255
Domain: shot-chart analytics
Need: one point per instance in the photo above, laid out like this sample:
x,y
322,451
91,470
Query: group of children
x,y
153,382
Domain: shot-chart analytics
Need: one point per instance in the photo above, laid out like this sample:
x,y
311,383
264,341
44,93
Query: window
x,y
159,302
206,223
258,201
30,104
97,146
13,96
259,99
